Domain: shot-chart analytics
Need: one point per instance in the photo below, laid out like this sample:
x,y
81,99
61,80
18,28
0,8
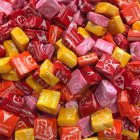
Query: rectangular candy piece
x,y
88,104
83,32
20,38
122,56
101,46
67,57
105,93
45,128
48,101
23,63
4,65
85,46
34,84
123,103
133,35
10,48
106,9
2,51
114,133
101,120
116,25
107,66
136,25
70,133
85,126
68,117
37,23
131,13
72,39
8,123
46,73
26,133
91,138
77,83
95,29
135,50
48,8
98,19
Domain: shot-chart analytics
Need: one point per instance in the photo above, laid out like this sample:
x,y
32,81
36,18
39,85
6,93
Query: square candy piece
x,y
135,50
77,83
48,8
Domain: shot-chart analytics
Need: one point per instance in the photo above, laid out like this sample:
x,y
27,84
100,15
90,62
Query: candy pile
x,y
69,69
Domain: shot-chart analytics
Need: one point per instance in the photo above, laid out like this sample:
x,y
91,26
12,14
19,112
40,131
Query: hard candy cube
x,y
116,25
68,117
122,56
20,38
46,73
10,48
95,29
23,63
4,65
136,25
83,32
77,83
67,57
106,9
105,93
101,120
48,8
135,50
48,101
27,134
101,46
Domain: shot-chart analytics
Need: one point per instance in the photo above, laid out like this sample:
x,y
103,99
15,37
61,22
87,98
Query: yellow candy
x,y
106,9
92,138
68,117
95,29
83,32
48,101
116,25
122,56
136,25
46,73
59,44
67,57
11,76
34,84
101,120
131,135
20,38
25,134
4,65
10,48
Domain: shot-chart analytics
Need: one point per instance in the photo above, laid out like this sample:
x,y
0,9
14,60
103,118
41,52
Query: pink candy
x,y
135,50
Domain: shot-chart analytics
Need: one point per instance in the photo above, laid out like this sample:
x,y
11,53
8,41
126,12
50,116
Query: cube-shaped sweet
x,y
26,133
34,84
135,50
107,66
20,38
23,63
101,46
71,133
114,133
45,128
85,46
85,125
116,25
106,9
136,25
122,56
68,117
67,57
105,93
46,73
101,120
10,48
133,35
77,83
4,65
48,8
95,29
48,101
83,32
